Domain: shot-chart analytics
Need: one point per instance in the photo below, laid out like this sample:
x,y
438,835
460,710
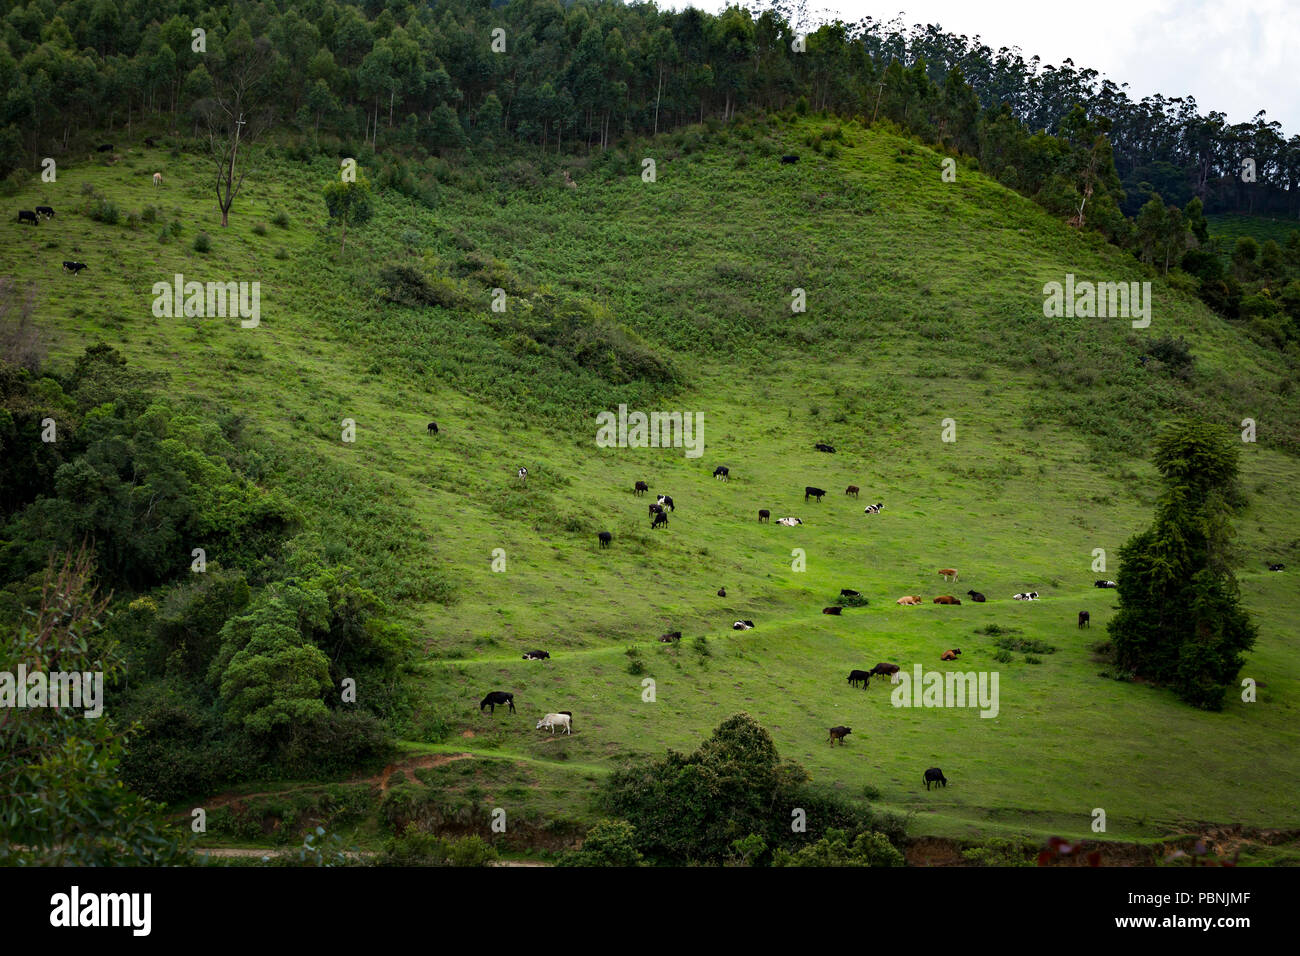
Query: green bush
x,y
202,242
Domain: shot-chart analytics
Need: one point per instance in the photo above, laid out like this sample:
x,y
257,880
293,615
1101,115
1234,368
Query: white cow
x,y
556,720
1028,596
788,522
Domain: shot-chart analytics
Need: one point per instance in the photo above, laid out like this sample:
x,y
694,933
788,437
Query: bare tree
x,y
236,115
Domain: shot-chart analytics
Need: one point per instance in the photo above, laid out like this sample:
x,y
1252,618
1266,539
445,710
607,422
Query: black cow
x,y
605,538
977,597
849,592
46,211
74,267
656,510
884,670
722,592
859,677
833,609
105,148
150,142
764,514
26,215
433,428
537,656
810,491
660,519
667,501
722,472
934,775
670,637
640,488
1277,567
497,697
1104,584
839,733
829,449
1085,620
789,158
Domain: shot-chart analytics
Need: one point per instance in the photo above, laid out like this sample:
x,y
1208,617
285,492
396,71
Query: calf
x,y
722,473
1104,584
1085,620
497,697
946,599
764,514
46,211
934,775
659,519
833,609
788,522
829,449
908,600
976,597
26,215
742,625
433,428
789,158
640,488
605,538
667,502
951,655
859,677
157,179
839,733
949,574
851,490
74,267
670,637
811,492
552,721
873,509
1026,596
537,656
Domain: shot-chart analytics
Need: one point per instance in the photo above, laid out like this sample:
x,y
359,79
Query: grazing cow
x,y
722,592
873,509
908,600
859,677
26,215
46,211
788,522
640,488
722,473
670,637
884,670
1277,567
742,625
157,179
812,492
522,473
105,148
660,519
946,599
951,655
852,490
949,574
655,510
789,158
497,697
829,449
839,733
849,592
74,267
433,428
1104,584
934,775
764,514
1026,596
667,502
833,609
1085,619
605,538
537,656
977,597
552,721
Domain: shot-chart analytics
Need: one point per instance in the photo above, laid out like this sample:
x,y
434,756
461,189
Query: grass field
x,y
924,304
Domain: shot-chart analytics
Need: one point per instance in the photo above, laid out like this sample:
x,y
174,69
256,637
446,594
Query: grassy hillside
x,y
924,304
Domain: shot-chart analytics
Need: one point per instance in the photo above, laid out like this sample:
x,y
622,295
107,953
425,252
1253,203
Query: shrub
x,y
202,242
280,219
259,229
101,210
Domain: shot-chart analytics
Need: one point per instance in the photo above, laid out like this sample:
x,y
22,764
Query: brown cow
x,y
946,599
951,655
851,490
910,599
839,733
949,574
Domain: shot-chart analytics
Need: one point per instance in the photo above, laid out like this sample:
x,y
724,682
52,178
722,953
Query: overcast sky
x,y
1234,56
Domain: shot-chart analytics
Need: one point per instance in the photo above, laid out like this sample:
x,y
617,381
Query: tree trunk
x,y
658,95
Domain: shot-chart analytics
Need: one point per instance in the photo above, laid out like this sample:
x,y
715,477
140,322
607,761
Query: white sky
x,y
1234,56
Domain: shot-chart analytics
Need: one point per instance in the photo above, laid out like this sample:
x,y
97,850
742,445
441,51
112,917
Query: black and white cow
x,y
788,522
1026,596
667,502
873,509
46,211
537,656
722,473
74,267
742,625
1277,567
1104,584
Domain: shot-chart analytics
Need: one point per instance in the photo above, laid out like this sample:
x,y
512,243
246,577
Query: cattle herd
x,y
658,513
